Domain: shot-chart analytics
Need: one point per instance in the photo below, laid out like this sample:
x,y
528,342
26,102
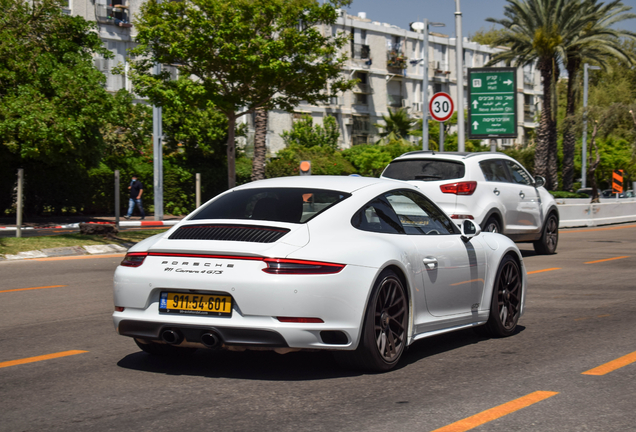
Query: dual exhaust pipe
x,y
174,337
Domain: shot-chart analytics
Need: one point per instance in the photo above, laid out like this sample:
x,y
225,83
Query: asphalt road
x,y
581,314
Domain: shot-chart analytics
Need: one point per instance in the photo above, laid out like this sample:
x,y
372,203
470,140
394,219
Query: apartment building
x,y
385,58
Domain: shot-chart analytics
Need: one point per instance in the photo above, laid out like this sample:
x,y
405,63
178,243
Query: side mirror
x,y
469,230
539,181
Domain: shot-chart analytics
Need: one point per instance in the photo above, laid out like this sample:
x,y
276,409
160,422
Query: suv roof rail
x,y
465,154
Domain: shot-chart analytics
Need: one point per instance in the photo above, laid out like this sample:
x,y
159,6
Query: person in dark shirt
x,y
136,190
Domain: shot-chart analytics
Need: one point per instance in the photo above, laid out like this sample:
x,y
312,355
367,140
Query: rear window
x,y
294,205
425,170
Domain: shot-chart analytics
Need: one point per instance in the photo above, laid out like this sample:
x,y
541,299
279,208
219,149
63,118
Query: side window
x,y
418,215
519,175
377,216
494,170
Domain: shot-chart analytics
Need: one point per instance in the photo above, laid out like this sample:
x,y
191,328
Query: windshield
x,y
294,205
424,170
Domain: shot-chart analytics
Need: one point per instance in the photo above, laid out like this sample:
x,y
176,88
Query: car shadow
x,y
297,366
440,344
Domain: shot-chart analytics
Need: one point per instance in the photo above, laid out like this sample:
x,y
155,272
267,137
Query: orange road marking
x,y
544,270
496,412
607,259
596,229
612,366
79,257
40,358
34,288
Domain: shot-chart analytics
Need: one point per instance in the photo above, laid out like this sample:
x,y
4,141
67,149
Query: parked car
x,y
588,191
492,189
361,266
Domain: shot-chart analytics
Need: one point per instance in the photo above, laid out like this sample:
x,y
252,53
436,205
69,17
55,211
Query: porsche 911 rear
x,y
235,283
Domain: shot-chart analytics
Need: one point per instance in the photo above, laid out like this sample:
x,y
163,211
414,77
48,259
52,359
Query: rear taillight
x,y
134,259
461,216
460,188
288,266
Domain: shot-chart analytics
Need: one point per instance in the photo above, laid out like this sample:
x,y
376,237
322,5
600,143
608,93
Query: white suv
x,y
493,189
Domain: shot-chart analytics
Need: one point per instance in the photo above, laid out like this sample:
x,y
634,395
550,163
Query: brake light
x,y
461,216
300,320
460,188
134,259
289,266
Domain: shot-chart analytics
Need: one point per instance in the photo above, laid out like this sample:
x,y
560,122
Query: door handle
x,y
522,195
496,191
430,263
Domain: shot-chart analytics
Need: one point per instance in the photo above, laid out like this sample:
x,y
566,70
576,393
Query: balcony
x,y
360,51
396,60
361,126
529,114
114,12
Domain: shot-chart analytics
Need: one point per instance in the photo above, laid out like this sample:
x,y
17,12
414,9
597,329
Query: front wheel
x,y
505,308
384,332
547,244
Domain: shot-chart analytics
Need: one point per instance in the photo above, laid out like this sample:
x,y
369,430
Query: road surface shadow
x,y
297,366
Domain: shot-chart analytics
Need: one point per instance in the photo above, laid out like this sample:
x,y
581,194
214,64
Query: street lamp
x,y
460,78
584,159
423,26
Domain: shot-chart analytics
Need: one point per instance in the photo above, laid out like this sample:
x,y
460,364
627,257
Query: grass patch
x,y
12,245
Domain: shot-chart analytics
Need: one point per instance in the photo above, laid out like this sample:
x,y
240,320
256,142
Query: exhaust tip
x,y
210,340
171,337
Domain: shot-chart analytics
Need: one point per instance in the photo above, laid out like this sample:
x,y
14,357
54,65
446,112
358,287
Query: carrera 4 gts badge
x,y
204,270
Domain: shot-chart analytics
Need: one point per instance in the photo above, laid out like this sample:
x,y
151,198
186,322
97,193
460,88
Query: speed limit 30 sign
x,y
441,107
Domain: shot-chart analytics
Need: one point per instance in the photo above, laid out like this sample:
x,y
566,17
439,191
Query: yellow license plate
x,y
195,304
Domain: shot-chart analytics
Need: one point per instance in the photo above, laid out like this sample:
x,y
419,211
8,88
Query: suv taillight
x,y
460,188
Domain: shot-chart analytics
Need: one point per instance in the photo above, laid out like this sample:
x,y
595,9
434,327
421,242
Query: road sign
x,y
305,168
617,181
492,103
441,107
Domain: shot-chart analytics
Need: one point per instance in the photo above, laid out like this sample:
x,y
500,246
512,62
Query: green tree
x,y
52,101
488,37
598,41
305,134
535,30
241,55
397,125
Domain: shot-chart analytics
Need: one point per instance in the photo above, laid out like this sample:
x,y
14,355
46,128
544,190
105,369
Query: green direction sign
x,y
492,97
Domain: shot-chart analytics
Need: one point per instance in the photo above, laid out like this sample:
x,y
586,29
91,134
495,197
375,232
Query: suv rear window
x,y
424,169
294,205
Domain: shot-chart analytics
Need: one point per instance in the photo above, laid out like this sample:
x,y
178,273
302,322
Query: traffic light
x,y
305,168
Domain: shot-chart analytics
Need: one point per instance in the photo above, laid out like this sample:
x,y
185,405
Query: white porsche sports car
x,y
360,266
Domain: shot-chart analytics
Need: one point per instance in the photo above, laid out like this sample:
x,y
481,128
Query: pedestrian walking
x,y
136,190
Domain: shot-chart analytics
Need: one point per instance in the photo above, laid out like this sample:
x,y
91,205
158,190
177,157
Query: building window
x,y
114,12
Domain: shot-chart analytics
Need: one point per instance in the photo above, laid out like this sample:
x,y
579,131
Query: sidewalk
x,y
72,222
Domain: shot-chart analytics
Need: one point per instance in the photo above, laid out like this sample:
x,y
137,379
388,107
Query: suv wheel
x,y
547,244
492,225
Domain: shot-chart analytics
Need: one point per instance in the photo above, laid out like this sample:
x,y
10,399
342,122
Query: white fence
x,y
578,212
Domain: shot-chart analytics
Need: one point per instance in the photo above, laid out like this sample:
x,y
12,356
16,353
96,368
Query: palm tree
x,y
597,42
260,144
398,125
535,31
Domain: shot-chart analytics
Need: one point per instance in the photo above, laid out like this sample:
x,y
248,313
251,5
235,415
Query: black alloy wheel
x,y
390,319
505,308
385,329
547,244
492,225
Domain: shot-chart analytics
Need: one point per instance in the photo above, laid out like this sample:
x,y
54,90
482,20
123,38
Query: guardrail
x,y
579,212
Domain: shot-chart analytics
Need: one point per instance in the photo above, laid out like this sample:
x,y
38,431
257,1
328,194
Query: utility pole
x,y
157,153
586,66
460,78
18,231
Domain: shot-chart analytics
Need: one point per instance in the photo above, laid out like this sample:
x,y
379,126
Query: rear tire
x,y
505,307
492,225
547,244
385,328
162,350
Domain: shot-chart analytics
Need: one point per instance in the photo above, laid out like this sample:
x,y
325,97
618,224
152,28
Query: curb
x,y
122,223
66,251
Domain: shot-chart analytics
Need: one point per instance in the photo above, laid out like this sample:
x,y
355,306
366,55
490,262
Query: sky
x,y
474,13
